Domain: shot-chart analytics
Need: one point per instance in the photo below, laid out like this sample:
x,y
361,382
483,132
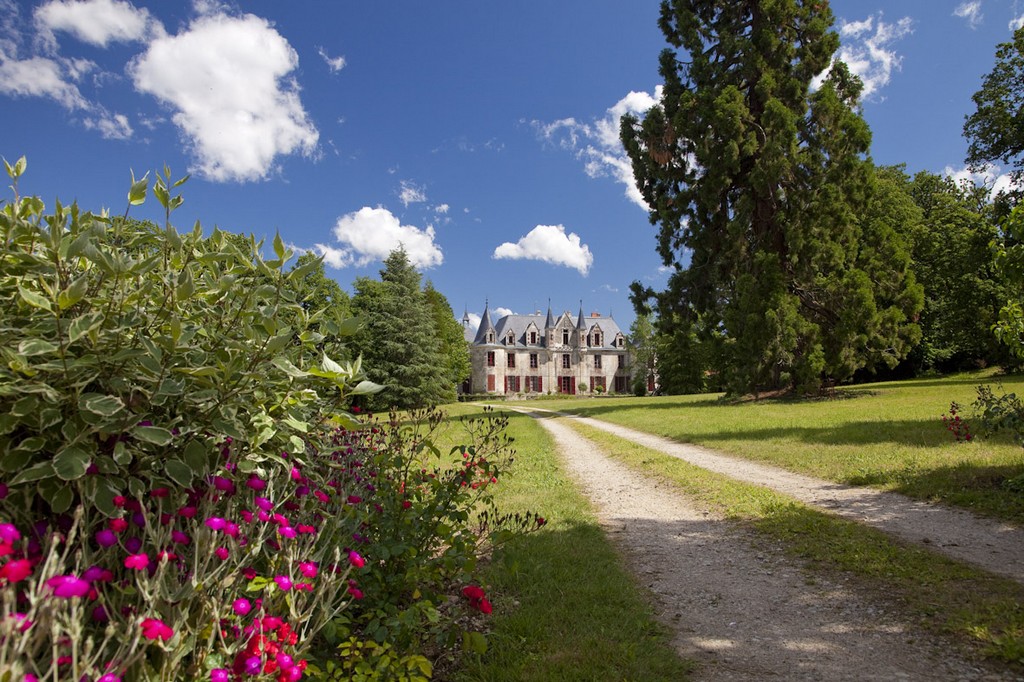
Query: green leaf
x,y
475,642
15,460
297,444
74,293
302,270
186,286
60,498
34,299
102,405
152,434
196,456
278,246
280,341
83,324
35,472
71,463
288,368
137,193
331,366
179,472
121,454
300,426
17,169
367,388
30,347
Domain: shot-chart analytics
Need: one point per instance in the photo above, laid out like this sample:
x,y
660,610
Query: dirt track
x,y
740,607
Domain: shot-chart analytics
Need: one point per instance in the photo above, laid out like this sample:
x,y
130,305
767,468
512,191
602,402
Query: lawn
x,y
888,435
565,606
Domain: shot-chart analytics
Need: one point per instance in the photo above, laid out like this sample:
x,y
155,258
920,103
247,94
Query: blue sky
x,y
482,136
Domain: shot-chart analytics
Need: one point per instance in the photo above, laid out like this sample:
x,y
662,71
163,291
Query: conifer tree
x,y
398,340
760,185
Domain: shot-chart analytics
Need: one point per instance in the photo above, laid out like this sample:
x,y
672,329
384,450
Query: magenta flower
x,y
138,562
95,573
263,516
322,496
355,592
264,504
225,485
222,553
308,569
154,629
216,523
187,512
296,474
9,533
355,559
306,528
4,490
219,675
284,582
242,606
109,677
246,515
253,665
99,614
231,529
133,545
180,538
16,570
256,483
354,499
287,532
67,586
22,620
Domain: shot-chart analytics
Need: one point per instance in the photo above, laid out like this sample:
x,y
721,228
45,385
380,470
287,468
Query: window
x,y
597,339
533,338
512,360
597,362
534,384
599,382
490,337
533,361
490,358
510,340
622,362
620,384
512,385
565,337
567,385
566,361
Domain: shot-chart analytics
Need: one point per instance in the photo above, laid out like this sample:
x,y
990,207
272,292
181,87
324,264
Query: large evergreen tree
x,y
760,184
398,340
454,349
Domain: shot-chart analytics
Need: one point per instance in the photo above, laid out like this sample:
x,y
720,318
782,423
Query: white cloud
x,y
502,312
411,194
1016,22
549,243
370,234
990,177
609,288
39,77
110,126
474,321
224,76
597,143
868,50
335,64
971,11
441,208
97,22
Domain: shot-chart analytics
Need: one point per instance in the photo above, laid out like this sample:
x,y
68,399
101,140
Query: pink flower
x,y
137,561
222,484
256,483
306,528
222,553
154,629
280,520
287,531
118,525
95,573
16,570
354,499
9,533
242,606
22,620
219,675
264,504
187,512
355,559
67,586
216,523
246,515
322,496
284,582
231,529
355,592
109,677
308,569
180,538
296,474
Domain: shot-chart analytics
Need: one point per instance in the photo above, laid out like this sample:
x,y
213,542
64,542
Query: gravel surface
x,y
735,603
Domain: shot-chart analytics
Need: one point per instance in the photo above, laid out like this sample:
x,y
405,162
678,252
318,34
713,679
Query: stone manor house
x,y
533,354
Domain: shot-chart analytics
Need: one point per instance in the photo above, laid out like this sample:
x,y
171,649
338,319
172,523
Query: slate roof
x,y
518,324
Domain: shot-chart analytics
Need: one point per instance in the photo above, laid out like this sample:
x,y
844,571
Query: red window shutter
x,y
540,384
572,385
490,383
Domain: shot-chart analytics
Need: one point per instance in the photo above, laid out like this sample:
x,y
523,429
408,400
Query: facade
x,y
524,354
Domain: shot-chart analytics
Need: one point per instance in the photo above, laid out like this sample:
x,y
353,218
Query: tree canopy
x,y
762,189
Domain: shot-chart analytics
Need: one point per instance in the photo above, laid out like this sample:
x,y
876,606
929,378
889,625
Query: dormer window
x,y
565,337
490,337
533,338
510,339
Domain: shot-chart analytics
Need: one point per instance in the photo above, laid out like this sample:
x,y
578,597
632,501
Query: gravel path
x,y
738,605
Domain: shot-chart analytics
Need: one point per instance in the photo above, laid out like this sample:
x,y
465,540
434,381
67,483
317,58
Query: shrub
x,y
183,494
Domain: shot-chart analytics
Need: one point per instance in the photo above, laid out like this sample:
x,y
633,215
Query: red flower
x,y
477,598
16,570
156,629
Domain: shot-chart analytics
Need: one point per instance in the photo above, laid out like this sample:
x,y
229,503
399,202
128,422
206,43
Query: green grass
x,y
565,608
981,610
886,435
